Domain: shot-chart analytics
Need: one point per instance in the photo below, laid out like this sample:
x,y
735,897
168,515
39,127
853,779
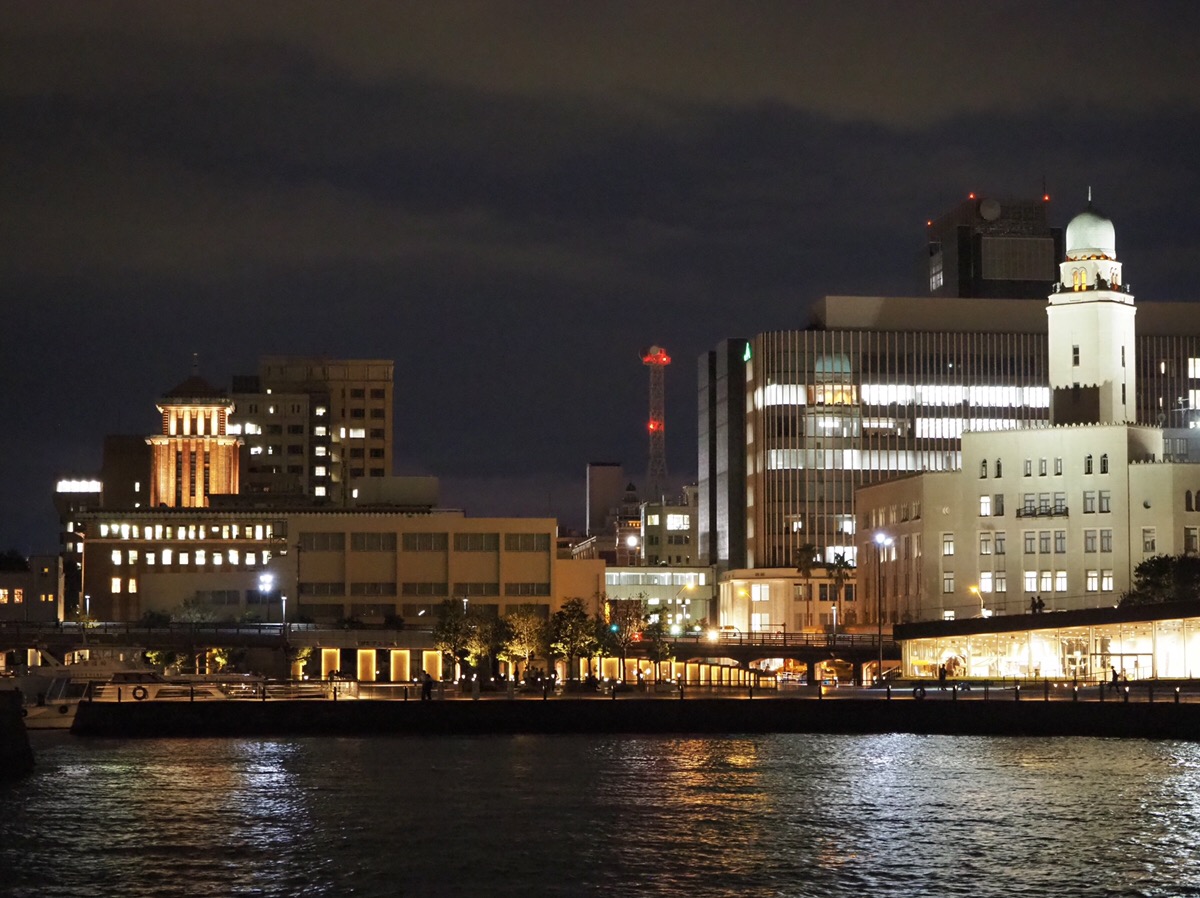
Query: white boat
x,y
151,686
52,689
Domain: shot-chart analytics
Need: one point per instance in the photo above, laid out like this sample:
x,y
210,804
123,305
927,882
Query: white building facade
x,y
1054,517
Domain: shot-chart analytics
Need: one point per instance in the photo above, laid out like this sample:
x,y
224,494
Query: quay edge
x,y
701,716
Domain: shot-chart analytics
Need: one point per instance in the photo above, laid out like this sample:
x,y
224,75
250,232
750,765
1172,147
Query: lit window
x,y
320,451
1093,581
149,558
358,433
985,506
167,556
132,556
183,557
1060,581
200,557
1001,581
319,471
1106,581
115,585
116,556
132,584
948,581
320,411
1031,581
233,556
652,520
256,450
947,543
985,544
985,581
678,521
1047,581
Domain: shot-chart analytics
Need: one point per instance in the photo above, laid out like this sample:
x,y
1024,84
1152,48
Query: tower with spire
x,y
194,457
1091,336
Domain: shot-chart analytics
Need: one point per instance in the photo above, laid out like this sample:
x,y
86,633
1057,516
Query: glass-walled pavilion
x,y
1147,642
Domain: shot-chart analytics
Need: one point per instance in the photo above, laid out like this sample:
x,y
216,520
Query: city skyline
x,y
513,206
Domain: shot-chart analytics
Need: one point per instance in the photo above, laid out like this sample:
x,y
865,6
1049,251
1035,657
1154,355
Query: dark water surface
x,y
545,816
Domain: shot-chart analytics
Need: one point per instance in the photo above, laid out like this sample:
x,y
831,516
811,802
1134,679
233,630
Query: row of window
x,y
1045,504
335,541
1040,541
191,531
1043,467
431,589
16,595
1097,580
198,557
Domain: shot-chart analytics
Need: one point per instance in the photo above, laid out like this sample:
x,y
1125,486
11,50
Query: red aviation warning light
x,y
656,355
656,359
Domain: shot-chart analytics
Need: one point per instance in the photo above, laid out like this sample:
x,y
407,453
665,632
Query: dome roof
x,y
1091,233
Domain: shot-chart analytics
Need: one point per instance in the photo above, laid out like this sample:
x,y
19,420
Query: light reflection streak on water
x,y
788,815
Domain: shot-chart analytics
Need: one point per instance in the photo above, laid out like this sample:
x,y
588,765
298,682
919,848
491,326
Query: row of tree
x,y
475,636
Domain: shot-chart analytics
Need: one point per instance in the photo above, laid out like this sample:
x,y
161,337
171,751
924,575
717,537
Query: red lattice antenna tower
x,y
656,359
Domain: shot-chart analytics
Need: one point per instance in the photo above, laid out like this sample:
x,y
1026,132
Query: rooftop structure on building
x,y
991,247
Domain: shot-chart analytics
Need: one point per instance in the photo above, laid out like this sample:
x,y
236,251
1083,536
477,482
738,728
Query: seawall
x,y
707,716
16,755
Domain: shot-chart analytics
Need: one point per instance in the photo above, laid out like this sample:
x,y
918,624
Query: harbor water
x,y
801,815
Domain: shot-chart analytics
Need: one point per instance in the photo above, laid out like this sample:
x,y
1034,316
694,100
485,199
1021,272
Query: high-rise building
x,y
721,524
312,425
882,386
990,247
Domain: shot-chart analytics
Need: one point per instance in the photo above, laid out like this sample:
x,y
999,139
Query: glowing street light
x,y
882,541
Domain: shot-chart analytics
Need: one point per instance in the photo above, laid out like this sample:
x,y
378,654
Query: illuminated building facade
x,y
879,387
312,425
372,565
193,457
1054,514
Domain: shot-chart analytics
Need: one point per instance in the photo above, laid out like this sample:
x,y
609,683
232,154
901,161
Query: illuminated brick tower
x,y
656,359
193,457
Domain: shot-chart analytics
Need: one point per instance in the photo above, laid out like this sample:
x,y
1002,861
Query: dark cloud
x,y
513,201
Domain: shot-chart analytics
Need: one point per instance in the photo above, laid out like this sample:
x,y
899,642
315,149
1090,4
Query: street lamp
x,y
265,582
882,541
974,590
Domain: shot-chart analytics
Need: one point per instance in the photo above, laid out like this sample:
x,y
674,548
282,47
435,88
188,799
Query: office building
x,y
1054,515
313,425
990,247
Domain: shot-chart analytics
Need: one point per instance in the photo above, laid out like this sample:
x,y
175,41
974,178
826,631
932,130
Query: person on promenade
x,y
942,677
1115,677
427,688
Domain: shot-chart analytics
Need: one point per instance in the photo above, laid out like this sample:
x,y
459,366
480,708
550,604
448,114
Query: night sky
x,y
513,199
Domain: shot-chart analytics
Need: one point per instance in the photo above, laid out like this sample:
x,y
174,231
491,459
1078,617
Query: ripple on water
x,y
755,815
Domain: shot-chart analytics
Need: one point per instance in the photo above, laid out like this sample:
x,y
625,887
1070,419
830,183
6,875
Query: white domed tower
x,y
1091,328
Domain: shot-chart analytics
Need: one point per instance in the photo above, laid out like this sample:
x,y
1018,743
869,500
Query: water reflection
x,y
785,814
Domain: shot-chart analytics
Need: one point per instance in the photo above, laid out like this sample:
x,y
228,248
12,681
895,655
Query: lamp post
x,y
265,582
882,541
974,590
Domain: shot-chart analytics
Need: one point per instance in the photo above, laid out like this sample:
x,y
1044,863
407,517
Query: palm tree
x,y
840,571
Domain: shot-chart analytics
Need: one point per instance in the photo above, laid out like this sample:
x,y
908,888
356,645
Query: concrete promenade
x,y
840,711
